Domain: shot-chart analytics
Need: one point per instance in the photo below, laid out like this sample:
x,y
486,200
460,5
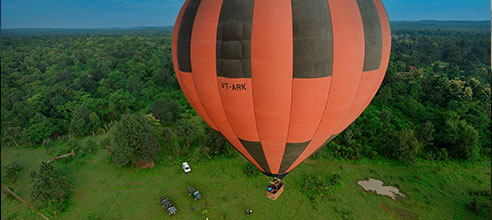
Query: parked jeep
x,y
168,206
194,193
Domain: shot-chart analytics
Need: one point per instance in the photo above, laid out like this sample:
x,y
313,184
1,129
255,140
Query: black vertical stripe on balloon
x,y
256,151
312,39
373,34
184,36
233,52
291,153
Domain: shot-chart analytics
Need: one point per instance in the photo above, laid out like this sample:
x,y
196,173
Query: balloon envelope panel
x,y
279,78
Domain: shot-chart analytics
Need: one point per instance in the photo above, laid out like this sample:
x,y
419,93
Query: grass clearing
x,y
434,190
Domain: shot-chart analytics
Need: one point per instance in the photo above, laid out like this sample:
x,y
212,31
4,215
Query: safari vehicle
x,y
168,206
194,193
186,167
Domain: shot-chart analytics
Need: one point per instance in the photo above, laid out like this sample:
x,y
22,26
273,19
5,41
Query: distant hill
x,y
442,25
78,31
395,25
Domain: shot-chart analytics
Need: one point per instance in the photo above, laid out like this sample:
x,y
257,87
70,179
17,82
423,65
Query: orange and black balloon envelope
x,y
279,78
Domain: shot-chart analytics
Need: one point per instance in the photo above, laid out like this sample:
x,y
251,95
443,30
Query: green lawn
x,y
103,190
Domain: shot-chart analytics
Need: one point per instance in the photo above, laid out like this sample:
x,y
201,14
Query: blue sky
x,y
131,13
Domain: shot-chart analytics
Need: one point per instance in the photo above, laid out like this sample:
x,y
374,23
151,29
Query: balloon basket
x,y
275,189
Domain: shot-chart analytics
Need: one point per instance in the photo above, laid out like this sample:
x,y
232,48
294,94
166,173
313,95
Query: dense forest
x,y
434,102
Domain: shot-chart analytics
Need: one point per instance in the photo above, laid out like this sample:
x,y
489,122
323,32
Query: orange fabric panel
x,y
203,62
367,89
309,98
271,68
371,80
348,62
186,82
237,99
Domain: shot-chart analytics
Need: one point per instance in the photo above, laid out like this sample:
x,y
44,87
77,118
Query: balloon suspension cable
x,y
279,176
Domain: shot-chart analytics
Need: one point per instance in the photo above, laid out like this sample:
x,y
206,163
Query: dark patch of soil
x,y
405,214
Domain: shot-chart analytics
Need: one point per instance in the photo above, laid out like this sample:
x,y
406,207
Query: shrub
x,y
11,170
81,149
179,149
215,144
167,135
439,154
467,145
462,139
484,193
340,151
166,112
106,142
480,204
49,185
336,178
315,186
159,109
72,144
90,147
81,124
187,131
474,206
404,146
251,170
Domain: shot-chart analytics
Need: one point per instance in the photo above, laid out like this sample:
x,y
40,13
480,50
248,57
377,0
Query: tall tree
x,y
134,139
215,144
159,109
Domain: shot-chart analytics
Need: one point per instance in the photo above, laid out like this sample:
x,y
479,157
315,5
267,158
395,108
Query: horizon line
x,y
150,26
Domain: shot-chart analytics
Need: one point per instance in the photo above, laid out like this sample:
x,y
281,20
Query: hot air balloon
x,y
280,78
